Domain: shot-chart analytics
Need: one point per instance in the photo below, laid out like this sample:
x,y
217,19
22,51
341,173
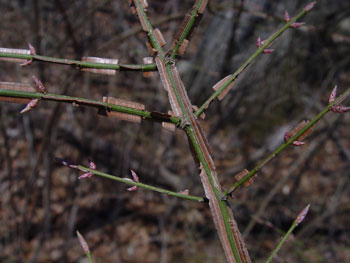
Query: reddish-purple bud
x,y
268,51
32,52
344,109
83,243
39,85
298,143
259,42
297,24
62,161
292,133
134,176
132,188
86,175
66,163
92,165
31,105
32,49
286,16
27,63
339,109
308,7
302,215
333,94
135,179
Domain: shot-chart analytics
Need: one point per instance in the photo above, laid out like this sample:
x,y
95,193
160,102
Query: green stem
x,y
283,240
89,256
187,30
286,144
80,64
141,185
85,102
296,222
260,50
193,137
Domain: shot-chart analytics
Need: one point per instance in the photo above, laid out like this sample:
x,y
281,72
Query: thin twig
x,y
147,115
80,64
259,51
141,185
286,144
191,21
296,222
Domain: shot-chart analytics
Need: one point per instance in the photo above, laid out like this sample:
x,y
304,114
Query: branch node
x,y
337,108
148,60
292,133
135,178
31,105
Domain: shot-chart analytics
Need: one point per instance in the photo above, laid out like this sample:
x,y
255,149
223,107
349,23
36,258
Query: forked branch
x,y
224,85
301,132
182,112
230,237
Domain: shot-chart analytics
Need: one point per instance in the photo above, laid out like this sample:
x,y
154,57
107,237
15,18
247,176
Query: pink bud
x,y
339,109
32,52
62,161
333,94
293,132
92,165
258,42
302,214
297,24
308,7
134,176
86,175
135,179
83,243
132,188
286,16
27,63
344,109
31,105
39,85
66,163
298,143
32,49
268,51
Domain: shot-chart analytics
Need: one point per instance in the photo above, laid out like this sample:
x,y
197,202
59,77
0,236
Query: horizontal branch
x,y
147,115
141,185
286,144
80,64
259,51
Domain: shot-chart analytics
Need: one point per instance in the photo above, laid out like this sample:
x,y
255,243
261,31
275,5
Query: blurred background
x,y
44,203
